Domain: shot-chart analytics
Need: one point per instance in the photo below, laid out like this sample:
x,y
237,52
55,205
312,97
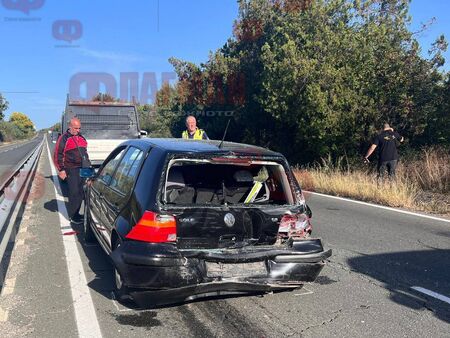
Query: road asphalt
x,y
364,290
12,154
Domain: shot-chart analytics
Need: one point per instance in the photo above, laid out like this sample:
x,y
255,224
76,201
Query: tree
x,y
104,97
437,130
317,77
3,106
22,122
157,119
56,127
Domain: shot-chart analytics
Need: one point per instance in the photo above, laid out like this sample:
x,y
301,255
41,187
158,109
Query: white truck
x,y
104,125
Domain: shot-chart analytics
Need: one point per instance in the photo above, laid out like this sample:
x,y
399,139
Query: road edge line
x,y
379,206
85,315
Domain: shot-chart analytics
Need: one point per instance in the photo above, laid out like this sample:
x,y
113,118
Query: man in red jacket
x,y
70,152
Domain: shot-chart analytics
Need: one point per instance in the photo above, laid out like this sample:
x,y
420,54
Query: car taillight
x,y
154,228
297,225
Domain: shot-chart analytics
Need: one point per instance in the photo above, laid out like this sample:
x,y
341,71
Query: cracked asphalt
x,y
364,290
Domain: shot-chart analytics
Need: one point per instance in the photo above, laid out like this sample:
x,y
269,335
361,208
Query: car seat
x,y
241,186
176,190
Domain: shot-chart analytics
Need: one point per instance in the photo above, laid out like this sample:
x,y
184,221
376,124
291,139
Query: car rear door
x,y
117,193
97,190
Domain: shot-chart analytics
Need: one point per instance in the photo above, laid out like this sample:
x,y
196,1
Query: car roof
x,y
178,145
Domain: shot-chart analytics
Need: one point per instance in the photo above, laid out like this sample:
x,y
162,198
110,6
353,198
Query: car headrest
x,y
175,178
243,176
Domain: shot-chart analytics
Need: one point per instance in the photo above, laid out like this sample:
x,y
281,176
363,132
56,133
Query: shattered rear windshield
x,y
215,183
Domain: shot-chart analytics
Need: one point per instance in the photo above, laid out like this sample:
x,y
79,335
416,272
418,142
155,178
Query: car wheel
x,y
89,236
121,291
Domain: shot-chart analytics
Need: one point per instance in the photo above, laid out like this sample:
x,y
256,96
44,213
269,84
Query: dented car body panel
x,y
186,273
194,220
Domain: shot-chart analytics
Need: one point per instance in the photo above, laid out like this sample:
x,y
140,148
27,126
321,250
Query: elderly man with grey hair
x,y
386,142
71,155
192,132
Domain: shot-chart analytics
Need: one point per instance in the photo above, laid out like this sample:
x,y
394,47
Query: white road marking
x,y
85,316
380,206
3,315
431,294
8,286
304,292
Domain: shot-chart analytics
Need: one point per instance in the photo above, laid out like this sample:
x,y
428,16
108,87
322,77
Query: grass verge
x,y
422,182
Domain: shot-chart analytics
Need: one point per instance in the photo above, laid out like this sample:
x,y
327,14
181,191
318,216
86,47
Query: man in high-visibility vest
x,y
192,132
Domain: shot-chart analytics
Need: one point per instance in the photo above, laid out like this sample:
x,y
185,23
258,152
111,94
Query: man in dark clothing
x,y
386,142
70,150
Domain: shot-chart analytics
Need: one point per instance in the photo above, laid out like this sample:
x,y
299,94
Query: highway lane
x,y
395,250
378,255
12,154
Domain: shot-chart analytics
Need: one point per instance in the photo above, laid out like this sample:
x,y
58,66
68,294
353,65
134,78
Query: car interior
x,y
215,184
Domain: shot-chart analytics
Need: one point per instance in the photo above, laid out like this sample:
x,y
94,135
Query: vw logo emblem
x,y
229,220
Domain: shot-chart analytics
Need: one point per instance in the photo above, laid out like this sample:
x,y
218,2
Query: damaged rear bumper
x,y
162,274
212,289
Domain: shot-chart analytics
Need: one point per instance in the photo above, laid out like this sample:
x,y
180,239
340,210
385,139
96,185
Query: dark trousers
x,y
390,166
76,193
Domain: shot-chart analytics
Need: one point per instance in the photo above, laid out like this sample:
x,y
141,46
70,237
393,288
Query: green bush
x,y
10,132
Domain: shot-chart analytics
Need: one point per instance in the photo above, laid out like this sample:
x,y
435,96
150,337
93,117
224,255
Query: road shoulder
x,y
35,297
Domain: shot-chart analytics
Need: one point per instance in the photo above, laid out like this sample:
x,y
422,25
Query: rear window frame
x,y
291,187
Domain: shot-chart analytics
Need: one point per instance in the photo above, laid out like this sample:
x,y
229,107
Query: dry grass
x,y
421,184
431,170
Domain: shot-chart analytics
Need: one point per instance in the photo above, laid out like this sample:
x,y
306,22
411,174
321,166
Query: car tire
x,y
121,291
89,236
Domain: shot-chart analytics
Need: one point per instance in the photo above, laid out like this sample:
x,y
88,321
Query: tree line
x,y
310,78
19,126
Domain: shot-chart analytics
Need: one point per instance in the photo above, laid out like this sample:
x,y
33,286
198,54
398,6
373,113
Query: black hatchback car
x,y
182,219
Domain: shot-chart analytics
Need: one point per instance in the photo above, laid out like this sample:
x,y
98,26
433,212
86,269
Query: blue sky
x,y
37,62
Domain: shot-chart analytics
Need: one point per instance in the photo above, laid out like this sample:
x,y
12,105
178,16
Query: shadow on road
x,y
51,205
401,270
98,261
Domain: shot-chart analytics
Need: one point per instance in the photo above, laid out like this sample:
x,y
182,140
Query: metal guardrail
x,y
12,193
